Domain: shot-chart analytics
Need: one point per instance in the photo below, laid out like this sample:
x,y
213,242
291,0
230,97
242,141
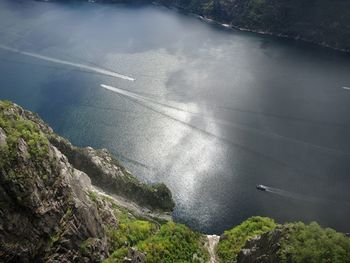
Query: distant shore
x,y
242,29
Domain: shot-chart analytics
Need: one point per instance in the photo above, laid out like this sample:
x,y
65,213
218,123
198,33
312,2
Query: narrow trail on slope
x,y
134,208
213,241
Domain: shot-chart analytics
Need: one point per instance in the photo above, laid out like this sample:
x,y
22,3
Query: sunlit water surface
x,y
209,111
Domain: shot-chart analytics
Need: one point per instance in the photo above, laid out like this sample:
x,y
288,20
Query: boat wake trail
x,y
302,197
152,106
68,63
148,99
175,107
346,88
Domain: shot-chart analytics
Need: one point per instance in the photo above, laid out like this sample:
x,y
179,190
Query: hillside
x,y
322,22
51,212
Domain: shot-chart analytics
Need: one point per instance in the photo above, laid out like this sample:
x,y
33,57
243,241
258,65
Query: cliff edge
x,y
51,211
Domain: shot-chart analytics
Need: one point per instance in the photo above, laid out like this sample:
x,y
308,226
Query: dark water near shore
x,y
212,112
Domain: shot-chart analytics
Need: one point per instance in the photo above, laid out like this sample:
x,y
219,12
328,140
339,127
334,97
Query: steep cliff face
x,y
264,248
106,172
45,214
50,211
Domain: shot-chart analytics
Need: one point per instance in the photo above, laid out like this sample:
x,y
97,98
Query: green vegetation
x,y
299,243
169,242
234,239
314,244
85,246
17,128
130,233
93,196
174,243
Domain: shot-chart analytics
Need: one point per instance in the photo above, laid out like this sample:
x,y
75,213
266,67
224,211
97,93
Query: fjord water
x,y
211,112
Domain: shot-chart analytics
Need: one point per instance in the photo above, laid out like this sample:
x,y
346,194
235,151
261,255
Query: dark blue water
x,y
212,112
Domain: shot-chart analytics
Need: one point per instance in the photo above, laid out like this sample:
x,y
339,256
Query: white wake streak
x,y
347,88
123,92
149,100
218,121
68,63
302,197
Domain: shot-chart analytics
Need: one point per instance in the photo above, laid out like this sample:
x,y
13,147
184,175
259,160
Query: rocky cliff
x,y
50,211
45,214
106,172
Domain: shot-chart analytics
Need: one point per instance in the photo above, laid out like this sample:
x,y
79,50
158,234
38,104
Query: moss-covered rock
x,y
44,214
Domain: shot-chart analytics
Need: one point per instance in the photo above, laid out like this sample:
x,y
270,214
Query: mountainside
x,y
51,212
321,22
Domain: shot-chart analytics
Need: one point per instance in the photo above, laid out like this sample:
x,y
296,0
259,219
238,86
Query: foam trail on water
x,y
148,99
218,121
302,197
156,107
347,88
68,63
167,105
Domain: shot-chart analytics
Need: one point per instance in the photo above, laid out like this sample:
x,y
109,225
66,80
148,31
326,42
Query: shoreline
x,y
211,20
226,25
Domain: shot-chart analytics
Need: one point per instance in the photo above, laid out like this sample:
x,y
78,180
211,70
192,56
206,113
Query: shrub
x,y
174,243
130,233
234,239
314,244
16,127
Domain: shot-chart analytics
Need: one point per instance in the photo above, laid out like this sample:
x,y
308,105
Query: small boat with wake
x,y
261,187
